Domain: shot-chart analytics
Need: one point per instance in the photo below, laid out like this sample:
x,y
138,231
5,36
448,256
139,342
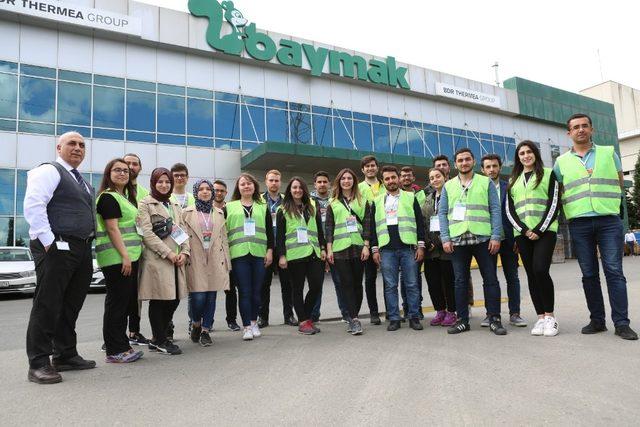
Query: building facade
x,y
131,77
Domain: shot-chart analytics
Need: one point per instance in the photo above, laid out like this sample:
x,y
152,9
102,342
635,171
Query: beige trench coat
x,y
207,270
157,276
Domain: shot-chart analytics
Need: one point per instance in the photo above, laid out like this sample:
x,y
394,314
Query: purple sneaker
x,y
437,321
449,319
125,357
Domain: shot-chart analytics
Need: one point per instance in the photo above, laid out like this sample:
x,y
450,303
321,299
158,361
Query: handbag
x,y
163,228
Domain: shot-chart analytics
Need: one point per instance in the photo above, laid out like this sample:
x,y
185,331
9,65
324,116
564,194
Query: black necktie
x,y
78,177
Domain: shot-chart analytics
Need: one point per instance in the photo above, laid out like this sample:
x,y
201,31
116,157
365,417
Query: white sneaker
x,y
255,329
538,328
248,334
550,326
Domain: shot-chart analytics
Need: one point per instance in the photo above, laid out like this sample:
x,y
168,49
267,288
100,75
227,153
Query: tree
x,y
633,197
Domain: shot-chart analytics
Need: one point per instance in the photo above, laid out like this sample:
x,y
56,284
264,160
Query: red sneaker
x,y
306,328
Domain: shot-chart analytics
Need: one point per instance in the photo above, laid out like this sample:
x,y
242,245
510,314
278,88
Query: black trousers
x,y
350,272
439,276
311,268
370,276
285,289
231,299
160,314
63,282
121,292
536,258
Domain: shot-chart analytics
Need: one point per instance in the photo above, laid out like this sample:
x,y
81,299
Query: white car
x,y
17,270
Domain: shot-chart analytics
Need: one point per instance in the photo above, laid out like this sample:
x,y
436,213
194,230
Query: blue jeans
x,y
202,308
510,270
392,262
403,289
461,260
249,273
605,233
315,315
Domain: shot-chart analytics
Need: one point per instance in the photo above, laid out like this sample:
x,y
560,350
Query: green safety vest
x,y
106,252
296,250
531,203
421,197
191,201
477,217
599,192
342,239
141,192
239,244
367,192
406,220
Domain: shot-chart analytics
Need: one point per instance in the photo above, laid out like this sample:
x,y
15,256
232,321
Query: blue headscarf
x,y
201,205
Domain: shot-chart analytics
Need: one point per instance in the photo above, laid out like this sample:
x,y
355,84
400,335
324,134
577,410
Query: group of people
x,y
165,243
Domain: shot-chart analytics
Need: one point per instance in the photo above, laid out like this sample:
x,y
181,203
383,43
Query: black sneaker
x,y
496,326
626,333
103,348
350,326
263,322
291,321
233,326
138,339
195,333
594,327
167,348
394,325
356,329
205,339
415,324
375,319
459,327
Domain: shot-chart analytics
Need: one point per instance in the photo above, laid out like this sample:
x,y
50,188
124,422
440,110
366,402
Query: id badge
x,y
434,224
273,218
178,235
459,212
139,230
249,227
323,214
392,217
303,236
352,225
62,246
206,240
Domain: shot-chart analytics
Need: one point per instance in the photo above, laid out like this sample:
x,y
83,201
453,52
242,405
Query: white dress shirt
x,y
42,182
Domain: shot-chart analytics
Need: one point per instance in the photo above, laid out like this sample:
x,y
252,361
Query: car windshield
x,y
12,255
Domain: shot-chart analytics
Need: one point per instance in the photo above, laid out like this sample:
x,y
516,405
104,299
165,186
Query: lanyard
x,y
585,159
169,209
272,204
249,211
465,188
205,219
437,203
346,204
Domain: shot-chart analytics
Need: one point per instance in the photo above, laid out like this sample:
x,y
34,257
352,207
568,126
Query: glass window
x,y
41,128
362,132
498,148
10,67
381,138
345,114
8,95
321,110
415,142
141,111
108,134
510,153
22,232
6,236
9,125
199,93
300,127
487,146
430,127
431,139
276,103
227,144
459,132
21,189
343,132
498,138
227,120
362,116
445,129
200,142
249,145
171,114
96,180
446,145
380,119
474,145
84,131
398,140
141,136
252,123
74,103
108,107
252,100
32,70
108,81
277,125
7,188
170,89
460,142
140,85
300,107
397,122
322,131
37,97
74,76
555,153
223,96
171,139
199,117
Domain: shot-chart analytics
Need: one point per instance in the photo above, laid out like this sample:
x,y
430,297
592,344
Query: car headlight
x,y
28,273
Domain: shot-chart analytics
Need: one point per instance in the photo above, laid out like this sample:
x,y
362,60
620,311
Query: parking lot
x,y
381,378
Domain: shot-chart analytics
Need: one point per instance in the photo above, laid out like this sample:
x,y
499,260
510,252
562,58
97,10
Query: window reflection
x,y
141,111
37,98
8,95
7,187
322,131
74,103
381,138
300,127
108,107
362,134
171,114
227,120
277,125
252,124
343,132
398,140
199,117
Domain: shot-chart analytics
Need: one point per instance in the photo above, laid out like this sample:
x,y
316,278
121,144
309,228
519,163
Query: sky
x,y
567,44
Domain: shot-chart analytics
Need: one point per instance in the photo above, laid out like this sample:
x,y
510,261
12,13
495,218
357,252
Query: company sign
x,y
245,37
75,14
466,95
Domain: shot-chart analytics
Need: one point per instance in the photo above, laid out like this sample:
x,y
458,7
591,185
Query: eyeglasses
x,y
179,175
120,171
219,191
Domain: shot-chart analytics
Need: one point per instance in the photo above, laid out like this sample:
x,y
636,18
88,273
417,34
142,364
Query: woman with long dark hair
x,y
301,247
118,248
250,235
532,209
347,228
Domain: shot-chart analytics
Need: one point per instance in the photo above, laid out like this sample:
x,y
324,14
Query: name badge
x,y
302,235
352,225
139,230
62,246
206,240
178,235
392,217
249,227
273,218
459,212
434,224
323,215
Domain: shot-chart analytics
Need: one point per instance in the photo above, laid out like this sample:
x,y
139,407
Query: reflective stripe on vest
x,y
599,192
406,220
477,218
531,203
299,250
342,239
106,252
239,244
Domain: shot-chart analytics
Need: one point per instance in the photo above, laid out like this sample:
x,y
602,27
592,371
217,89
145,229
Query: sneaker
x,y
550,326
263,322
350,326
152,347
394,325
450,319
357,327
168,348
104,347
291,321
255,330
538,328
205,339
626,333
496,327
233,326
415,324
375,319
459,327
248,334
516,320
138,339
306,328
437,320
195,333
125,357
486,322
594,327
315,327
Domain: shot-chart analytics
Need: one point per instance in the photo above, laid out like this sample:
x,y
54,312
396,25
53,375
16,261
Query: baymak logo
x,y
260,46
